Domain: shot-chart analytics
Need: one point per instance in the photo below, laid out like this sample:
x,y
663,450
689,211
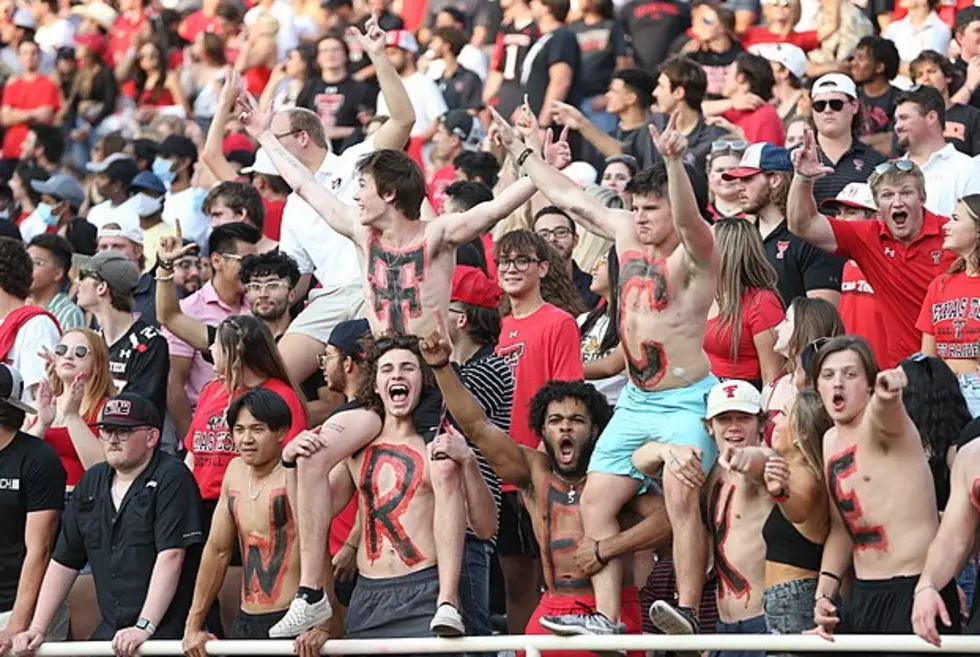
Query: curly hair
x,y
600,412
376,348
16,268
270,263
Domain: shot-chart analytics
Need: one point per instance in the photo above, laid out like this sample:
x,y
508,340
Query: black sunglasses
x,y
809,355
836,105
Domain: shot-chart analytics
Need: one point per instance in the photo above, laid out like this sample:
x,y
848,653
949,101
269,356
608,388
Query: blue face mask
x,y
161,169
46,212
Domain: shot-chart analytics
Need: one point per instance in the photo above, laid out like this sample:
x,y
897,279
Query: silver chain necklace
x,y
254,496
571,492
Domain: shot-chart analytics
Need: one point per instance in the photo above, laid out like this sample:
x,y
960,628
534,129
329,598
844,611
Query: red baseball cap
x,y
472,287
236,141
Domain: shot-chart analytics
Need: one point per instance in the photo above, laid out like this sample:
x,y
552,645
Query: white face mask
x,y
146,205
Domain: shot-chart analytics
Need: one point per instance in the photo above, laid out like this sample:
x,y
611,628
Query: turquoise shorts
x,y
673,416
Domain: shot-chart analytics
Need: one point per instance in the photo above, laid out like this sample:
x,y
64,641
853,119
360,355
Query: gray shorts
x,y
327,308
393,607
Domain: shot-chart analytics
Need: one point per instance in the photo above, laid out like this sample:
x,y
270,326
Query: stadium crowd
x,y
367,319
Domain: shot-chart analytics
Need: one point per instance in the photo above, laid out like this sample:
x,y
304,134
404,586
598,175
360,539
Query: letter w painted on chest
x,y
864,537
395,278
266,560
384,510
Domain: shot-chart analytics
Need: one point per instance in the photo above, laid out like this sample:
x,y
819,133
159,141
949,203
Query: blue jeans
x,y
474,588
970,387
756,625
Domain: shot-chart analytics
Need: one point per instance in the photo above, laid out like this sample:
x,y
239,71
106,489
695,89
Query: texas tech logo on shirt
x,y
937,256
781,247
890,252
512,354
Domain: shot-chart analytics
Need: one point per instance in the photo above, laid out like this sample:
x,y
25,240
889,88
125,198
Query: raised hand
x,y
567,115
172,248
806,159
76,392
437,348
372,39
735,459
255,120
776,475
557,153
670,143
230,89
890,384
527,124
451,444
507,136
45,404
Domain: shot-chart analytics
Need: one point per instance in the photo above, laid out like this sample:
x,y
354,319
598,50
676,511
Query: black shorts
x,y
344,590
255,626
515,533
209,507
885,607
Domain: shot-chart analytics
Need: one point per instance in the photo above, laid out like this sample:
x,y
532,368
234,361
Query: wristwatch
x,y
145,625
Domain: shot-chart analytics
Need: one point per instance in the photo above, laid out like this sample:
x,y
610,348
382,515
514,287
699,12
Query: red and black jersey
x,y
511,48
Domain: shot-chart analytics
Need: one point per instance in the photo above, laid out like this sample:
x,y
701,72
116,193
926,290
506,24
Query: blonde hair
x,y
99,386
894,176
808,422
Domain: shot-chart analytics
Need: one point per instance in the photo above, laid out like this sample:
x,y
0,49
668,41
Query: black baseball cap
x,y
129,410
122,171
176,145
346,336
12,388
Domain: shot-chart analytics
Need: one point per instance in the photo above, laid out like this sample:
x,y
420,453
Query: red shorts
x,y
559,605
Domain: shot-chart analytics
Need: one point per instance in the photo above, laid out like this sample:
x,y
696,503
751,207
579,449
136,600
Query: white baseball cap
x,y
263,165
854,195
790,56
128,230
834,83
733,395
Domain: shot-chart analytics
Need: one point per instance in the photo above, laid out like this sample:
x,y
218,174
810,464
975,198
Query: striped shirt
x,y
488,377
69,315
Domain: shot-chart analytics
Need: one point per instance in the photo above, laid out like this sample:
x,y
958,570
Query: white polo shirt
x,y
306,236
911,40
950,175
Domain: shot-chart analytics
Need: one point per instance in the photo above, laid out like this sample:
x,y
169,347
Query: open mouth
x,y
899,218
566,451
838,402
398,392
737,439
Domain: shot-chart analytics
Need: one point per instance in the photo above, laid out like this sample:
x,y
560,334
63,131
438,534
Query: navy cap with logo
x,y
12,388
128,409
346,336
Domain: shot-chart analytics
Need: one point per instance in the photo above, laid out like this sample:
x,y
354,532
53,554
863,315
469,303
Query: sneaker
x,y
447,622
300,617
592,624
674,620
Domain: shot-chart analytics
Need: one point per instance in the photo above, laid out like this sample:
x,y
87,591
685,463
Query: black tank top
x,y
784,544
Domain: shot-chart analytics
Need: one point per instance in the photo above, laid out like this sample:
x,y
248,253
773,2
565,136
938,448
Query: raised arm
x,y
694,232
212,155
887,411
189,329
802,215
396,130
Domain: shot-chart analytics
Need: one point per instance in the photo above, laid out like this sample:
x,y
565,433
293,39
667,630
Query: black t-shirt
x,y
963,128
800,266
556,47
878,112
31,479
83,236
652,26
715,66
462,90
346,96
139,362
640,145
160,511
509,52
961,67
600,44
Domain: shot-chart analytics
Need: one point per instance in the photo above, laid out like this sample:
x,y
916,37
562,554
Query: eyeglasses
x,y
836,104
729,145
901,165
271,287
558,233
520,263
78,350
187,263
286,134
122,434
323,359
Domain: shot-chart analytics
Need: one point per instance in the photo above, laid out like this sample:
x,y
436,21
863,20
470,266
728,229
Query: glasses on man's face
x,y
323,359
187,263
835,104
728,145
272,287
77,350
901,165
559,233
283,135
121,434
520,263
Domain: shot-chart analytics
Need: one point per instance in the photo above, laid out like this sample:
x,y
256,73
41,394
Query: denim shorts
x,y
788,607
970,387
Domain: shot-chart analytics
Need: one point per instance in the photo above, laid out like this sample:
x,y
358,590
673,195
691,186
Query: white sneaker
x,y
301,616
447,622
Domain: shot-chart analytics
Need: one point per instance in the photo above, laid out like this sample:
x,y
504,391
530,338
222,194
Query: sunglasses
x,y
809,354
729,145
78,350
901,165
835,104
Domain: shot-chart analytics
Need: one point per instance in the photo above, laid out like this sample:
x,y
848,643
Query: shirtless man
x,y
255,510
738,503
883,502
398,582
669,270
407,270
568,417
952,545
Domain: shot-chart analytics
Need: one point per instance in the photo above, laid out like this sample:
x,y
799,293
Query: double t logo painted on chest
x,y
395,278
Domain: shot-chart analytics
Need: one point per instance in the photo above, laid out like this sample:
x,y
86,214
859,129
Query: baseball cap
x,y
123,170
760,157
25,19
177,145
263,164
147,180
834,83
102,165
128,409
854,195
236,141
474,288
346,336
130,228
581,173
733,395
465,126
112,267
62,187
12,388
98,12
790,56
95,42
65,52
402,39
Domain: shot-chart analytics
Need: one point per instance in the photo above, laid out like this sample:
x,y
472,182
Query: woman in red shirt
x,y
950,316
156,86
781,17
739,338
69,403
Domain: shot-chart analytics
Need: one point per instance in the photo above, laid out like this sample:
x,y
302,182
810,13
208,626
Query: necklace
x,y
571,492
254,496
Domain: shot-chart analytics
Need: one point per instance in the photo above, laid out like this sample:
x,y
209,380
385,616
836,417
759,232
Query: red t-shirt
x,y
256,78
198,22
436,192
61,442
899,273
121,36
951,314
762,310
762,124
541,347
272,226
341,525
861,314
22,94
805,41
210,441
